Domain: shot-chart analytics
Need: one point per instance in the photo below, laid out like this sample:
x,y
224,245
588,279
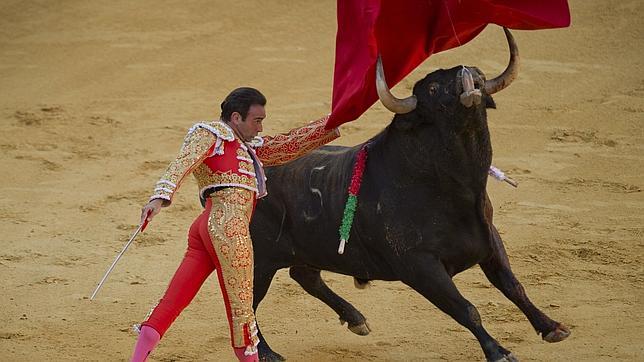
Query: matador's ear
x,y
236,117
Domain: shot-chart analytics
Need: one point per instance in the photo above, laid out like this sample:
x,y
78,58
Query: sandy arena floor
x,y
96,98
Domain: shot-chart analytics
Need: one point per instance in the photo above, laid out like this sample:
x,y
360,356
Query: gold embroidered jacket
x,y
216,157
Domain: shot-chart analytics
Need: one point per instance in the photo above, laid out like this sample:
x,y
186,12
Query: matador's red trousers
x,y
218,239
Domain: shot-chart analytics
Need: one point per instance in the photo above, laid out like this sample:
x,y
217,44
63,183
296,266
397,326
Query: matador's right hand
x,y
151,209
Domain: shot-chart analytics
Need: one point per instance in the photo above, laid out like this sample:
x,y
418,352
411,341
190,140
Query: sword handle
x,y
146,221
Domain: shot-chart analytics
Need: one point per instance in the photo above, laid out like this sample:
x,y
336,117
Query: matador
x,y
226,157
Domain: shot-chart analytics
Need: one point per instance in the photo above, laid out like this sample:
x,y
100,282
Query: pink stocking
x,y
239,352
148,339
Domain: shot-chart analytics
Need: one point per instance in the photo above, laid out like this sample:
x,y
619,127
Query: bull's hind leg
x,y
312,282
497,269
263,278
428,276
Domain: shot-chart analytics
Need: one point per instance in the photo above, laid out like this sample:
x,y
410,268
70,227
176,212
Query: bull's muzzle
x,y
471,95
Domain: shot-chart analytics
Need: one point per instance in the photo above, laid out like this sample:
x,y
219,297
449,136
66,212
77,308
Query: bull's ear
x,y
489,102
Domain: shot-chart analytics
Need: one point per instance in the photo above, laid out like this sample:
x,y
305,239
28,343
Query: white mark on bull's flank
x,y
307,217
279,235
378,209
315,191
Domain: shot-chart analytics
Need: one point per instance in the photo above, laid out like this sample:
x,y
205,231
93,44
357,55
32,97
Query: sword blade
x,y
109,270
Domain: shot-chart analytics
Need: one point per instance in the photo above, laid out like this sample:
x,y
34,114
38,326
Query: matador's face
x,y
251,126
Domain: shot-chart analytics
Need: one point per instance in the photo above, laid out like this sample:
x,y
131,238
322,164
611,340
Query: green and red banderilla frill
x,y
352,200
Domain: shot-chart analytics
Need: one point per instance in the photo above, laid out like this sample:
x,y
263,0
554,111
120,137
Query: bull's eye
x,y
433,88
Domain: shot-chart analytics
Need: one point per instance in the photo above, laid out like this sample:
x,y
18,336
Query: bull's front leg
x,y
427,275
497,269
310,279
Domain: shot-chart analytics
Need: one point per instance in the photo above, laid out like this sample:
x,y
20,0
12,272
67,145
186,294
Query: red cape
x,y
406,32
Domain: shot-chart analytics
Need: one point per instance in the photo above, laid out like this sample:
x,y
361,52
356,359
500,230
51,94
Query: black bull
x,y
423,213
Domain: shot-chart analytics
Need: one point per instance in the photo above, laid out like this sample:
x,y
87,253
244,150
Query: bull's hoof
x,y
361,283
361,329
271,356
559,334
507,358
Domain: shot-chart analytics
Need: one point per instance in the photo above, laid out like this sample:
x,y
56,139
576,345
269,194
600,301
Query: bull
x,y
423,214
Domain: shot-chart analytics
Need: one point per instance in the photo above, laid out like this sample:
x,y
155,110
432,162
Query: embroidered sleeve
x,y
280,149
196,145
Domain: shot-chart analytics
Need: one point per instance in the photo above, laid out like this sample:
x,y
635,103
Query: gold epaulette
x,y
218,128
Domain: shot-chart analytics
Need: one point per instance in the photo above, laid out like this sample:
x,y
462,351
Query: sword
x,y
127,245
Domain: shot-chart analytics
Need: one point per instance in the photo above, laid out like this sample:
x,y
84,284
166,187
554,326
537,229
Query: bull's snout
x,y
471,95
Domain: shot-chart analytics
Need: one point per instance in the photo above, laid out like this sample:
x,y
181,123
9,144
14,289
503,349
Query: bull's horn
x,y
396,105
494,85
